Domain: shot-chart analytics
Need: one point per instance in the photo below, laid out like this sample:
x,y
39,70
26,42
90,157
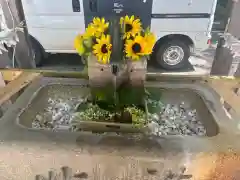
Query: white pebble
x,y
178,119
155,117
39,118
57,116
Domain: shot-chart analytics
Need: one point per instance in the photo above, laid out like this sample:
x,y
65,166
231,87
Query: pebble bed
x,y
172,119
176,119
57,115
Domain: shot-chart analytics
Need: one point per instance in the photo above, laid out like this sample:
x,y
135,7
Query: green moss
x,y
91,112
110,105
139,118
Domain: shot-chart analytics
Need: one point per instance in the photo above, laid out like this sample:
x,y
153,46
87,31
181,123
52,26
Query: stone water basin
x,y
26,151
184,111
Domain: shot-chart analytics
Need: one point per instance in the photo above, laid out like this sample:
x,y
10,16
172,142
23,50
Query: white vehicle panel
x,y
179,25
63,39
53,23
57,22
50,7
182,6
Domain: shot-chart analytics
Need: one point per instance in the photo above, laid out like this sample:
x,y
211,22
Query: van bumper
x,y
203,45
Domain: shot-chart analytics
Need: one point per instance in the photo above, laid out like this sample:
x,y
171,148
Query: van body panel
x,y
63,39
179,25
113,8
55,24
53,7
182,6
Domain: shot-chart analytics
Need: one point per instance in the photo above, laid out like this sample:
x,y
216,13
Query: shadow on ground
x,y
72,62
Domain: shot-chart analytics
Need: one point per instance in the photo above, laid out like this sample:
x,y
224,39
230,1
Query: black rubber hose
x,y
117,43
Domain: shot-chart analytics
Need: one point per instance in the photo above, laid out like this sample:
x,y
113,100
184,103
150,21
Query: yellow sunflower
x,y
150,40
132,26
90,31
83,44
102,49
100,26
78,45
135,48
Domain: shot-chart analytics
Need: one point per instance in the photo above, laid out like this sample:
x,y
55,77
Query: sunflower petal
x,y
127,19
103,21
132,18
108,38
137,21
98,40
104,59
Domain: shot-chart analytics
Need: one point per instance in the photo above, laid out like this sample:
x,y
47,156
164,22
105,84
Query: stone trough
x,y
111,155
184,111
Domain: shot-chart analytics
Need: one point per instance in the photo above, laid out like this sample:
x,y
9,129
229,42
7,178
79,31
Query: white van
x,y
181,26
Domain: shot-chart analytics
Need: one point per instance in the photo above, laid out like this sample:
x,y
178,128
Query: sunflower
x,y
102,49
78,44
83,44
99,25
135,48
150,40
132,26
90,31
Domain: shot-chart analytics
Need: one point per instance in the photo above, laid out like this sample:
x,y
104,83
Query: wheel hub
x,y
173,55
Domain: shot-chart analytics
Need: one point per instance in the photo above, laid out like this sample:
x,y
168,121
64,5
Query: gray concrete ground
x,y
199,64
202,63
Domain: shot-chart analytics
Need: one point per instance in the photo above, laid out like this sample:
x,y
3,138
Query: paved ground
x,y
200,64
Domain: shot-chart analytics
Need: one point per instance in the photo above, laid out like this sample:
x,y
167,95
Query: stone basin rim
x,y
10,131
82,82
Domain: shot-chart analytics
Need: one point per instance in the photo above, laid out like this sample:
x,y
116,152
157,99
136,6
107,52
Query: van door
x,y
111,8
54,23
184,16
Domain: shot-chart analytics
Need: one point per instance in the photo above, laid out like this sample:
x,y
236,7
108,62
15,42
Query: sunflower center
x,y
128,27
136,48
104,49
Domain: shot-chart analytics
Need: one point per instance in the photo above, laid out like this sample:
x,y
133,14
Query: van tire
x,y
38,51
178,64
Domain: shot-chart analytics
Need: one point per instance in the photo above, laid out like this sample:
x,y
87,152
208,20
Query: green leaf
x,y
87,43
153,93
154,103
147,31
129,95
